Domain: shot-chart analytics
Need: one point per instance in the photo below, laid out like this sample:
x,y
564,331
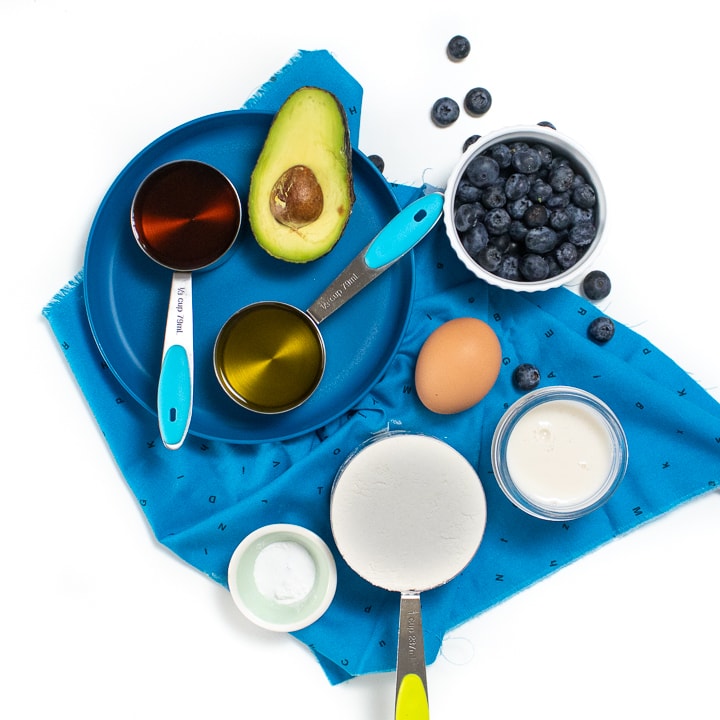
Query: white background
x,y
98,620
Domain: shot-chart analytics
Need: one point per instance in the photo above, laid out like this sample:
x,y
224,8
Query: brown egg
x,y
457,365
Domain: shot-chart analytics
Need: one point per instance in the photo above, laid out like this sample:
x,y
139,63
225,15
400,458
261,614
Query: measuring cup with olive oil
x,y
269,357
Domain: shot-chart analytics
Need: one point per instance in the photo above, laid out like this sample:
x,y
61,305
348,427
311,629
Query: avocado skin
x,y
310,129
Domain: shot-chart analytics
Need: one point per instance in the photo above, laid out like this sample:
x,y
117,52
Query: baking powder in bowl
x,y
284,572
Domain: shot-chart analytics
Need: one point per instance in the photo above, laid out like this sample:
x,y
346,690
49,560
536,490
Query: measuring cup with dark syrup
x,y
185,216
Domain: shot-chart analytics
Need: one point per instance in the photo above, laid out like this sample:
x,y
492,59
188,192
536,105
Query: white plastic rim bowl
x,y
285,616
558,143
603,417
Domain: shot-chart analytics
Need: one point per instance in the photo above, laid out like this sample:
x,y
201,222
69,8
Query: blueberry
x,y
578,214
502,154
468,215
482,171
535,216
467,192
458,48
584,195
527,160
596,285
445,112
497,221
566,255
475,239
582,234
493,196
559,219
561,177
541,240
540,191
558,200
509,269
517,208
601,329
377,161
490,258
534,267
516,186
526,377
547,124
477,101
503,242
517,230
470,141
546,154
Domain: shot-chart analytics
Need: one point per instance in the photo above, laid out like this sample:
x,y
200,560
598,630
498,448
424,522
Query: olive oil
x,y
269,357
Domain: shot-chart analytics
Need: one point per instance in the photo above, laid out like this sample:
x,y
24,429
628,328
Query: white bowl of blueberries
x,y
525,209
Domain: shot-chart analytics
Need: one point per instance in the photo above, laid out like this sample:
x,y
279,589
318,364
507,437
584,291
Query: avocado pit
x,y
296,198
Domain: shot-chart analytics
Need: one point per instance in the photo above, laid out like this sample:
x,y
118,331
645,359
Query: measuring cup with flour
x,y
408,513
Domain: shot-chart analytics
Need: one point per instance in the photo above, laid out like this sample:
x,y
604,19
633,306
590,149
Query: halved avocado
x,y
301,189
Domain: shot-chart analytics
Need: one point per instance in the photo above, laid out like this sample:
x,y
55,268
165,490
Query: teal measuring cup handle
x,y
404,231
175,385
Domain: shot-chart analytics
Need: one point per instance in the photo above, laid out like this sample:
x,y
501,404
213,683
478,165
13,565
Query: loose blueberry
x,y
470,141
445,112
601,329
547,124
477,101
526,376
458,48
534,267
596,285
377,161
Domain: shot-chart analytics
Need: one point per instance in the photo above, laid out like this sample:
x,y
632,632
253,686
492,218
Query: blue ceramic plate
x,y
126,294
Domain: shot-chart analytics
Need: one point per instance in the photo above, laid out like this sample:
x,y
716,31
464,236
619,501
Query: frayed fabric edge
x,y
61,294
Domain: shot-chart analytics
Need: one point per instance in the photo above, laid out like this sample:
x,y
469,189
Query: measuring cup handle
x,y
411,702
175,386
398,237
404,231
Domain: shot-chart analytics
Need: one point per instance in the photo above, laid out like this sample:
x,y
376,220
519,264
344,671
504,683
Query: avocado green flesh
x,y
311,130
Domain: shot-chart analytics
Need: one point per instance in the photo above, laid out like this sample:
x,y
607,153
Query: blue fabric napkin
x,y
201,500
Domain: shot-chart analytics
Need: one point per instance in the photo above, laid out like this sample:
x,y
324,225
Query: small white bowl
x,y
558,144
282,577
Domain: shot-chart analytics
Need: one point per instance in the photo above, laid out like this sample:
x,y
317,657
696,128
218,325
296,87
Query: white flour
x,y
408,512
